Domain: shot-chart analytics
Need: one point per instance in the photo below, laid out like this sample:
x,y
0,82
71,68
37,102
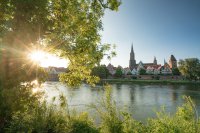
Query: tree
x,y
118,72
100,71
69,28
129,73
190,68
142,71
175,71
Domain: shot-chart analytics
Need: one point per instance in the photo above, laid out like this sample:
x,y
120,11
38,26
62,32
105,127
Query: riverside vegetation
x,y
36,115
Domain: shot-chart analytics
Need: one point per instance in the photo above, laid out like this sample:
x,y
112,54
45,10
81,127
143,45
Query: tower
x,y
155,61
132,61
164,62
172,62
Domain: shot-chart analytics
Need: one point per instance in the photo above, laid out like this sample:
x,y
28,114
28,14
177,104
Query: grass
x,y
140,81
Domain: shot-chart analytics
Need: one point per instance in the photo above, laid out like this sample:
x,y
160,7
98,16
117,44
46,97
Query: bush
x,y
14,100
134,77
184,121
118,73
47,119
157,77
110,116
132,126
129,73
82,124
142,71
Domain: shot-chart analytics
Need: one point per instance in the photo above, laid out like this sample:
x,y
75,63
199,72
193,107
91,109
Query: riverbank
x,y
138,81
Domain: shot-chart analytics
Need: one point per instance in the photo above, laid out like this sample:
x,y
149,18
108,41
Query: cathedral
x,y
154,67
151,68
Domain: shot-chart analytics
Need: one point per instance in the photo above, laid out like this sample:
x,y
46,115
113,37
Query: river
x,y
142,101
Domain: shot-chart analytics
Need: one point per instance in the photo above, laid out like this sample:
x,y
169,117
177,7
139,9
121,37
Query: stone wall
x,y
160,77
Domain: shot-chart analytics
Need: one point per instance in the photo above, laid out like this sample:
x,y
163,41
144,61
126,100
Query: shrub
x,y
46,118
132,126
184,121
14,100
142,71
129,73
157,77
134,77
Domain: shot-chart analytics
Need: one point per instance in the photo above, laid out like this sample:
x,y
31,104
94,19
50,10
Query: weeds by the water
x,y
36,116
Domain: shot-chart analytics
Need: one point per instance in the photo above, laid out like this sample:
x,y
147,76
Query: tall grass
x,y
40,117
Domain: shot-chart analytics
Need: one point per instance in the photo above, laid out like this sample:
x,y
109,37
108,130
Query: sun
x,y
37,56
45,59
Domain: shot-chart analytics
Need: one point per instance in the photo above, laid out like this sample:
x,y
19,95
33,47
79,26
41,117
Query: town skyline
x,y
156,28
107,62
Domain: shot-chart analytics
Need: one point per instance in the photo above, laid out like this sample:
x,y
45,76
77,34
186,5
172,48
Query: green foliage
x,y
113,121
118,72
184,121
129,73
82,124
190,68
50,118
17,99
100,71
134,77
132,126
68,28
142,72
175,71
110,117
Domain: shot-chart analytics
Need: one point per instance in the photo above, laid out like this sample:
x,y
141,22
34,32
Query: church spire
x,y
132,61
132,48
155,61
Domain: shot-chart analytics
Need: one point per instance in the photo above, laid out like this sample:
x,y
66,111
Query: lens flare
x,y
37,56
45,59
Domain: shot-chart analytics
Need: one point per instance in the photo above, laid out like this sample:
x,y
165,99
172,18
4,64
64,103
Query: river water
x,y
142,101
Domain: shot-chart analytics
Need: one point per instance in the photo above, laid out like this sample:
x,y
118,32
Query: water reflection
x,y
132,94
141,100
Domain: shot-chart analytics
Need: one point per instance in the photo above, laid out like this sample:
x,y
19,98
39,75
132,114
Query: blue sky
x,y
156,28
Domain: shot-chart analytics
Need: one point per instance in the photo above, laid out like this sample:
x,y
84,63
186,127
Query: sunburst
x,y
45,59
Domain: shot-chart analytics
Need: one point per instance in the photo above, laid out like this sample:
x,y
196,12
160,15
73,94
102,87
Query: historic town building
x,y
133,65
151,68
172,62
53,72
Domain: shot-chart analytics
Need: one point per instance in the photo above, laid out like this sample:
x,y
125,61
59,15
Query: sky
x,y
156,28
